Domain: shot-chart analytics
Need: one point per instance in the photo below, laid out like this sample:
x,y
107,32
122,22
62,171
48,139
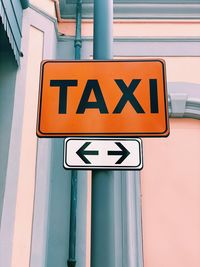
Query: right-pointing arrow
x,y
82,152
124,152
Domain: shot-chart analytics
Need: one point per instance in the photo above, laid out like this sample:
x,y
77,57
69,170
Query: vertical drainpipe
x,y
24,3
102,250
78,41
72,231
73,205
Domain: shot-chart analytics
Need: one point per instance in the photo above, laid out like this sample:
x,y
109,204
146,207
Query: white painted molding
x,y
184,106
127,10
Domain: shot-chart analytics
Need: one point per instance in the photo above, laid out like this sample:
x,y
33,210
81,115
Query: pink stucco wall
x,y
171,197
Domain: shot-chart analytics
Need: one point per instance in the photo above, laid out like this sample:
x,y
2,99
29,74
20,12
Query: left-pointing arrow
x,y
82,152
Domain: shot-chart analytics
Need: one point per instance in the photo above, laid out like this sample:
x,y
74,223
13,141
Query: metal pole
x,y
73,207
102,249
103,27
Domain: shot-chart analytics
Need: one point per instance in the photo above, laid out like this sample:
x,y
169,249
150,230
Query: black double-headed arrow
x,y
81,152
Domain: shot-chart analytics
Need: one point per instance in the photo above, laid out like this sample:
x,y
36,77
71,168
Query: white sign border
x,y
92,167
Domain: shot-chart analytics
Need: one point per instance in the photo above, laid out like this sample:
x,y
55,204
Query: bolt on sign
x,y
103,98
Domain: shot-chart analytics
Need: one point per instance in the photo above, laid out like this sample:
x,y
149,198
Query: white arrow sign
x,y
103,153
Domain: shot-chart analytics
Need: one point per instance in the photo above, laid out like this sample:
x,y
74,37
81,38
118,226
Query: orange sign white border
x,y
81,131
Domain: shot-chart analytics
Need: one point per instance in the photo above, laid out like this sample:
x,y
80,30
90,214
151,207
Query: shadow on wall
x,y
8,71
59,209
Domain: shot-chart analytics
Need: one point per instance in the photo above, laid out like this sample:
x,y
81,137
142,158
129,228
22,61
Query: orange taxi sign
x,y
103,98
